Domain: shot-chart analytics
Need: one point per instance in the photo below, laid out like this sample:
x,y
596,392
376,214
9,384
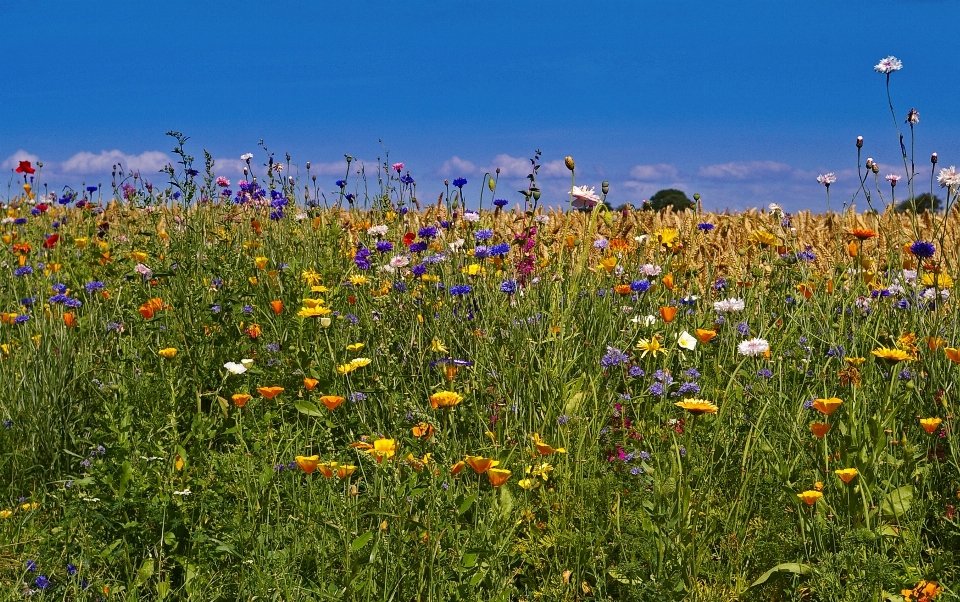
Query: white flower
x,y
910,276
775,208
380,230
7,220
888,65
471,216
389,269
399,261
645,320
753,347
246,157
301,216
949,177
728,305
246,363
235,368
457,244
827,179
184,492
893,179
945,293
686,341
278,167
649,269
143,270
583,197
542,219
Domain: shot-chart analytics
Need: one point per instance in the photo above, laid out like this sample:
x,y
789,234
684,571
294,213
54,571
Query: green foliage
x,y
924,202
676,200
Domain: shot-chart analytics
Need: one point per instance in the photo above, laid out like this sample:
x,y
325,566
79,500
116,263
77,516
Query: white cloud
x,y
14,160
457,167
658,171
224,166
743,170
510,167
89,163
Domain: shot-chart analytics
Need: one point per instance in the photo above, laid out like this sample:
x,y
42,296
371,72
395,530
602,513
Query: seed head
x,y
568,161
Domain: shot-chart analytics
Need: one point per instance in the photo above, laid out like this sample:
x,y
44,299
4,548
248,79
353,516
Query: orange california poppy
x,y
481,464
498,476
456,468
310,383
241,399
953,354
668,313
668,282
331,401
827,406
277,307
930,424
308,463
423,430
269,392
70,319
704,335
819,429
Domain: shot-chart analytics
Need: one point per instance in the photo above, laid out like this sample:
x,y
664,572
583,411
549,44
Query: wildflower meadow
x,y
282,388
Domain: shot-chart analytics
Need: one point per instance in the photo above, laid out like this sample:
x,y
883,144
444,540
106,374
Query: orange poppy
x,y
852,249
622,289
668,313
308,463
481,464
819,429
254,331
668,282
310,383
705,335
423,430
241,399
863,233
498,476
331,401
277,307
70,319
930,424
952,353
269,392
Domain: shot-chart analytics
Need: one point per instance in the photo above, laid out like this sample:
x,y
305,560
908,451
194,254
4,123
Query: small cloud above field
x,y
456,167
511,168
85,162
743,170
14,160
654,173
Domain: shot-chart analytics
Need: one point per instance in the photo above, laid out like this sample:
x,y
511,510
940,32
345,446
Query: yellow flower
x,y
498,476
952,353
168,353
666,236
311,277
261,262
481,464
891,356
319,289
138,256
652,346
827,406
608,263
937,280
345,470
312,303
437,346
358,279
314,312
445,399
846,474
383,448
810,497
763,238
528,484
360,362
930,424
542,470
308,463
856,361
346,368
80,242
697,406
473,269
544,449
355,347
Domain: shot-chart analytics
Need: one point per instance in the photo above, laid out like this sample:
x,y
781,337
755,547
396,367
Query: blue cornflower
x,y
906,374
273,347
460,182
481,252
20,221
428,232
765,373
808,404
461,289
384,246
31,564
407,179
399,287
419,270
644,455
418,247
705,226
438,258
636,372
217,282
613,357
601,243
720,283
640,286
28,301
687,388
500,203
73,303
23,271
508,286
357,396
71,569
362,258
96,285
743,329
353,319
247,309
563,419
923,249
500,249
42,582
836,351
341,183
485,234
807,254
21,319
8,424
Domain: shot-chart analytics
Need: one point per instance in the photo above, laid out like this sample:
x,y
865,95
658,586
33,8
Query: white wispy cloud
x,y
655,172
14,160
87,163
456,167
743,170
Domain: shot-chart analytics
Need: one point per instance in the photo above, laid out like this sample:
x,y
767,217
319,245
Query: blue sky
x,y
742,102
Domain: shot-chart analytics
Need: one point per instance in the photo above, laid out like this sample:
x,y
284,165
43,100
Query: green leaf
x,y
145,572
618,577
306,407
467,503
361,541
468,561
898,501
786,567
126,475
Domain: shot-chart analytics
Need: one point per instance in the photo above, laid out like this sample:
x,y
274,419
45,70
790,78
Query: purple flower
x,y
459,290
613,357
743,329
635,372
460,182
500,203
485,234
23,271
42,582
384,246
509,287
923,249
418,247
481,252
640,286
428,232
705,226
764,373
500,249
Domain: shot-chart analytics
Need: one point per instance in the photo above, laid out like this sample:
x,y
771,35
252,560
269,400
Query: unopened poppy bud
x,y
288,157
325,322
245,172
605,187
859,141
933,158
869,163
308,165
498,171
314,178
696,196
568,161
491,184
446,182
536,194
876,168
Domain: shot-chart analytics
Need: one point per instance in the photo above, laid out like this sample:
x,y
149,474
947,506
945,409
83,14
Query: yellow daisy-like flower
x,y
314,312
346,368
651,346
763,238
445,399
697,406
666,236
855,361
355,347
437,346
810,497
937,280
311,277
608,263
473,269
168,353
383,448
360,362
891,356
312,303
319,289
847,474
358,279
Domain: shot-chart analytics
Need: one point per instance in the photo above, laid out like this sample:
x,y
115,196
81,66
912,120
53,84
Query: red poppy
x,y
408,238
25,167
42,207
51,241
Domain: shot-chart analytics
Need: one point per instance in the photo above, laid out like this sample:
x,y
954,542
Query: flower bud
x,y
308,165
245,171
696,196
605,187
498,171
859,141
446,182
568,161
869,162
876,168
933,158
491,184
325,322
536,194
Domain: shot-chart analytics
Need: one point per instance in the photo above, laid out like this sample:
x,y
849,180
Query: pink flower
x,y
893,179
583,197
827,179
753,347
397,167
222,182
888,65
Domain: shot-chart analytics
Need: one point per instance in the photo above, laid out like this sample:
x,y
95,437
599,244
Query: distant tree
x,y
671,197
924,202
